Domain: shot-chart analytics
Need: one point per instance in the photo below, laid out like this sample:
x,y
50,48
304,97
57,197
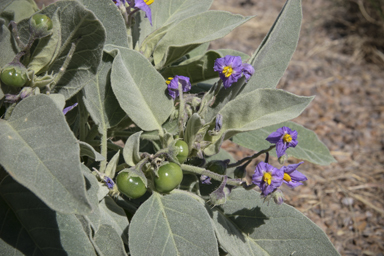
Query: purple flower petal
x,y
284,138
173,85
144,7
267,178
67,109
248,70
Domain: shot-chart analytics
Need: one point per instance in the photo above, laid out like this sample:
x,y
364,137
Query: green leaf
x,y
193,31
247,226
29,225
175,224
47,48
109,242
112,20
99,99
88,150
114,216
17,10
112,164
271,59
195,123
262,107
131,149
310,148
7,53
200,68
165,13
83,28
38,150
139,88
92,185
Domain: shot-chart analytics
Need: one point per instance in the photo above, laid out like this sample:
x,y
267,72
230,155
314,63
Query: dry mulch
x,y
346,198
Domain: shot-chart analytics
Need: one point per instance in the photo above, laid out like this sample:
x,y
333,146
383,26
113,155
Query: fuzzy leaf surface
x,y
247,226
29,226
139,88
40,151
271,59
191,32
175,224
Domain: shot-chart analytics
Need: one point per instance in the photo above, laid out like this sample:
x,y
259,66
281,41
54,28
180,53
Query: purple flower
x,y
173,85
119,3
67,109
230,69
144,6
248,70
283,138
206,180
267,178
109,182
292,177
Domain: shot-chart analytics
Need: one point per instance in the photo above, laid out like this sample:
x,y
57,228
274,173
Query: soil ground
x,y
346,199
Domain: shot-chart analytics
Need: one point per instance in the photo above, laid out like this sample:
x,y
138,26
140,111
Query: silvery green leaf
x,y
85,30
92,186
47,48
165,13
103,191
88,150
139,88
310,148
109,241
58,99
271,59
200,68
7,53
254,110
39,150
99,99
193,31
198,51
248,226
194,124
29,225
112,164
131,149
114,216
175,224
17,10
112,20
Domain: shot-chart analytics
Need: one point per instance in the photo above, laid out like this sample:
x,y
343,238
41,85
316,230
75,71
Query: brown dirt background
x,y
339,58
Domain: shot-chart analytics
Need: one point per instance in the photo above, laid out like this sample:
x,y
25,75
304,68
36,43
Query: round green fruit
x,y
170,176
41,21
131,186
14,75
183,151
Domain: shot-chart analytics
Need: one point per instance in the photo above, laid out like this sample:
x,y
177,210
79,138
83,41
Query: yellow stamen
x,y
267,177
148,2
169,80
287,138
227,71
287,178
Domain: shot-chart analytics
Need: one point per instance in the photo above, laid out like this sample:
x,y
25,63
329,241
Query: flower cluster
x,y
173,85
231,68
269,178
126,5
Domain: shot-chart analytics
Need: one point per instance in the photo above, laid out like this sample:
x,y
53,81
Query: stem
x,y
213,175
104,150
181,111
240,162
16,36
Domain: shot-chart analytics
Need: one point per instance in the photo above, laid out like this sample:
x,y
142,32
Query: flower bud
x,y
40,25
282,159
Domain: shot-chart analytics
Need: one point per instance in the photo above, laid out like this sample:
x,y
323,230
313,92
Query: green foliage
x,y
61,173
